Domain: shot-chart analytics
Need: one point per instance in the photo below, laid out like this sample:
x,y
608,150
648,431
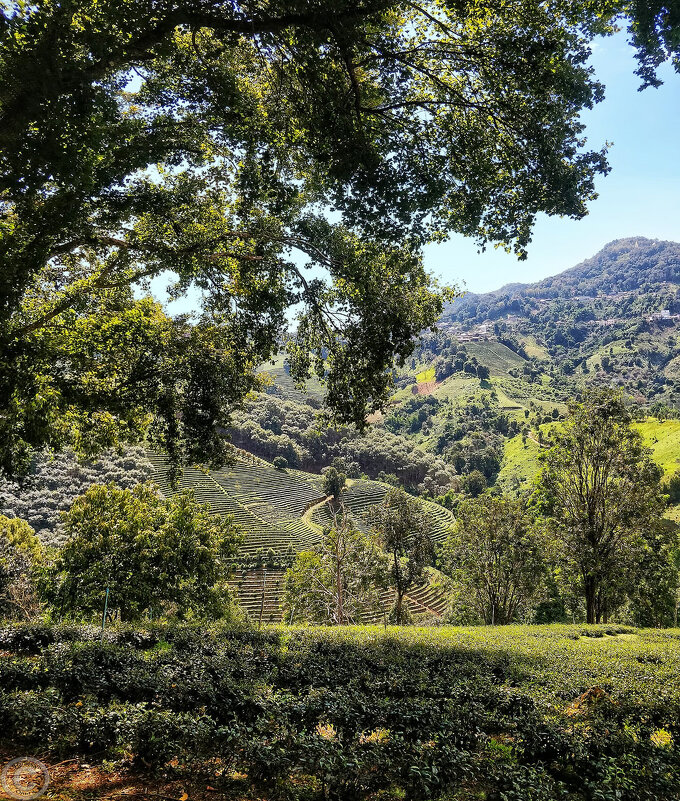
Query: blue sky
x,y
639,197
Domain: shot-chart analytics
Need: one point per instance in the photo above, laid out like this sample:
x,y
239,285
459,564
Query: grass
x,y
520,462
456,387
534,350
425,375
497,357
664,440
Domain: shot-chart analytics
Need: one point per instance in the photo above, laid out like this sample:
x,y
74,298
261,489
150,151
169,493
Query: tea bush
x,y
518,713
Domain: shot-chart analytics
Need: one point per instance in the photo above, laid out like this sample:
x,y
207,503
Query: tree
x,y
404,530
498,555
333,484
21,553
339,580
653,590
671,487
280,463
474,483
154,555
601,491
204,139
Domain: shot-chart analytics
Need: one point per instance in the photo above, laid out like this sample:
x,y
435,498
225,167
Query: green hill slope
x,y
521,463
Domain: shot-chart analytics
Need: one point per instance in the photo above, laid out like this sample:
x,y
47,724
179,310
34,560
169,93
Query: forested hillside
x,y
474,398
611,320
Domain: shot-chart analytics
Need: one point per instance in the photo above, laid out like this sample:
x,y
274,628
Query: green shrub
x,y
524,713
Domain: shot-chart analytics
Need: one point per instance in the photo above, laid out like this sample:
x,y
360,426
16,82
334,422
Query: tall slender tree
x,y
339,580
498,555
601,491
404,530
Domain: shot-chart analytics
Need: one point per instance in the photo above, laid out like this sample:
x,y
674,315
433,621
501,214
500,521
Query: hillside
x,y
500,366
282,512
624,265
521,463
613,319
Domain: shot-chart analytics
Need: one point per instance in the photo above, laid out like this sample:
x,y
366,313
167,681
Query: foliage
x,y
270,426
154,555
21,554
654,596
404,530
333,483
253,121
54,481
339,580
602,492
538,712
496,553
655,32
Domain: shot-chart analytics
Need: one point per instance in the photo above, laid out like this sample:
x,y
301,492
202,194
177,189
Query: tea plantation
x,y
501,714
282,512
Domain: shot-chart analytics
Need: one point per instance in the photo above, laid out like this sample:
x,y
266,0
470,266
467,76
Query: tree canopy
x,y
498,555
271,155
602,492
153,554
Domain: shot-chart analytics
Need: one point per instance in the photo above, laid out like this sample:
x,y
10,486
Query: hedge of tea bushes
x,y
345,713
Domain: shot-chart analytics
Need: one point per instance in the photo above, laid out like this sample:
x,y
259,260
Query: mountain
x,y
613,319
501,366
622,266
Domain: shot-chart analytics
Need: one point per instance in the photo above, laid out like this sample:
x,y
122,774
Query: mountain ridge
x,y
660,263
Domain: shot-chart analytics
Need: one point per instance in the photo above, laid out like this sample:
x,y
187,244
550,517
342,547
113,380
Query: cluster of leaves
x,y
240,125
147,552
498,556
339,580
472,435
602,495
21,556
346,714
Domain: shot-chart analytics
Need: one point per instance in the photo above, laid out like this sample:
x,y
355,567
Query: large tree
x,y
601,491
211,140
497,555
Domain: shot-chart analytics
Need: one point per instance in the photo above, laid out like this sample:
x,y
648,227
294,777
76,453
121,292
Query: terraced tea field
x,y
282,512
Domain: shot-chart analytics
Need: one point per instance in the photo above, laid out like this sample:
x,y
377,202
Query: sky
x,y
639,197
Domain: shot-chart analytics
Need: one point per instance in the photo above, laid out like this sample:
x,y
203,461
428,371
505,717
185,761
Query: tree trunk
x,y
397,607
398,588
338,589
591,595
